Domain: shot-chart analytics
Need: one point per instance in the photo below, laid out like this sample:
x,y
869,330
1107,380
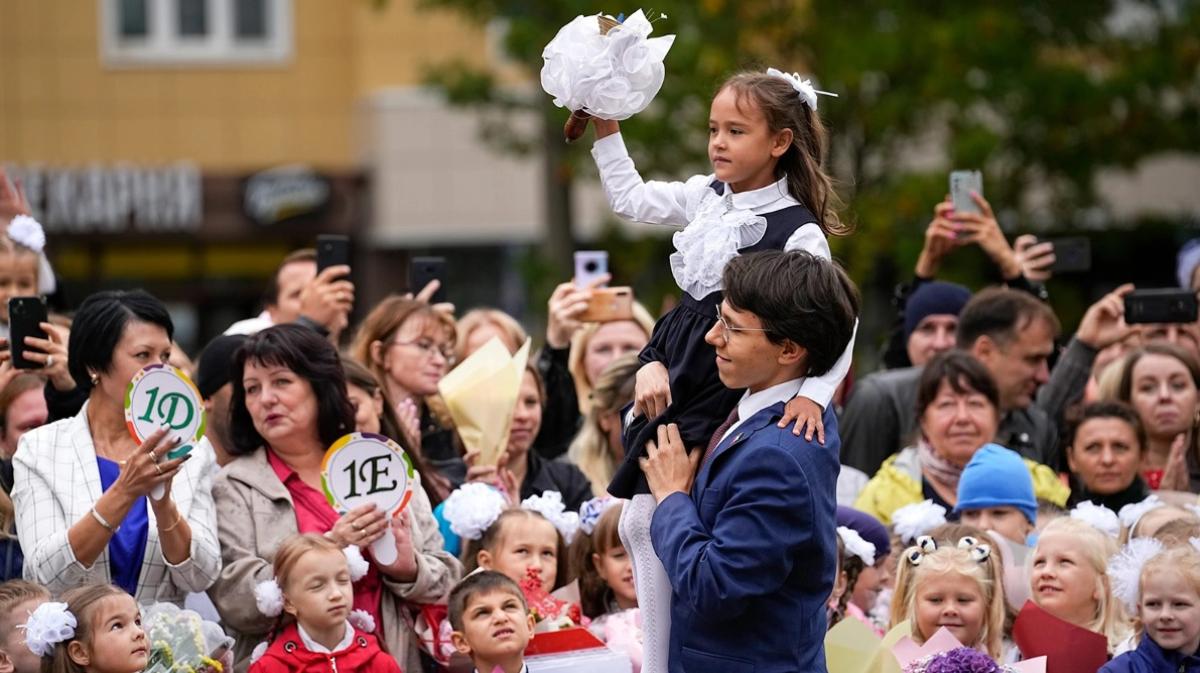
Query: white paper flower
x,y
1125,569
362,620
50,624
258,651
472,509
1132,513
803,87
269,598
856,546
26,231
1099,517
613,76
358,565
550,505
912,521
592,510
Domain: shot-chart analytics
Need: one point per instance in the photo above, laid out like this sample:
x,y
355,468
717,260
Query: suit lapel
x,y
739,435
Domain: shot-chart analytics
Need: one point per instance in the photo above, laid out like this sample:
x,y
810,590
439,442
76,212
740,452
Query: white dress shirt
x,y
752,403
715,227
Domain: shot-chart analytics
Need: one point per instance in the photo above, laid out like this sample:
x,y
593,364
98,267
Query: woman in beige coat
x,y
290,403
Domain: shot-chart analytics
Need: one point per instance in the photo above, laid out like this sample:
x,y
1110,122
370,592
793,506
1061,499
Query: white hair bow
x,y
803,87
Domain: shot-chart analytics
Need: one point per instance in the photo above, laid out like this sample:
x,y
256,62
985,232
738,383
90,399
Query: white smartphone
x,y
590,265
962,183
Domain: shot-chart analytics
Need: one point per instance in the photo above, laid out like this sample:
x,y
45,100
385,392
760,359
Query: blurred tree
x,y
1038,95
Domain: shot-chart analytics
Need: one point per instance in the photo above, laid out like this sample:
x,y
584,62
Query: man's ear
x,y
459,641
78,653
783,140
984,349
792,353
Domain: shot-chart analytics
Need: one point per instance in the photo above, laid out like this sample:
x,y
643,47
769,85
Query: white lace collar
x,y
767,199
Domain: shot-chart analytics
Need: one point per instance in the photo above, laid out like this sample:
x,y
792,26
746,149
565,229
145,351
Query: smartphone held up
x,y
25,318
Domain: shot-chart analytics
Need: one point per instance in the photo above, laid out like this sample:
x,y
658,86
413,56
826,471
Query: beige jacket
x,y
255,515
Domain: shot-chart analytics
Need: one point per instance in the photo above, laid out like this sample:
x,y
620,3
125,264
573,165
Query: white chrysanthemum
x,y
612,76
1099,517
50,624
269,598
1125,569
856,546
362,620
1132,513
550,505
358,565
472,509
912,521
28,232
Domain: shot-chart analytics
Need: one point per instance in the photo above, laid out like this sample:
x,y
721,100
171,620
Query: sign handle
x,y
384,549
158,492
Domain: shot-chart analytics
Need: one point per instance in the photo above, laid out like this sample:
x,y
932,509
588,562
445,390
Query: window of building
x,y
147,33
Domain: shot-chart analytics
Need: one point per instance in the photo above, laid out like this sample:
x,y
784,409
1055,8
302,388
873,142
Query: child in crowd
x,y
24,268
768,191
521,542
601,563
1069,579
1168,616
854,555
94,628
995,492
491,622
952,586
18,600
312,586
873,578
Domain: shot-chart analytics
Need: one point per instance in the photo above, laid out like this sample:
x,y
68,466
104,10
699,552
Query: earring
x,y
95,379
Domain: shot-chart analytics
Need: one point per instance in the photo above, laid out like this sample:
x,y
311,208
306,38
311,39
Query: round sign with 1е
x,y
364,467
161,396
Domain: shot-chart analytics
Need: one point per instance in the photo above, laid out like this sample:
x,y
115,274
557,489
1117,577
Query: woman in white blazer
x,y
82,484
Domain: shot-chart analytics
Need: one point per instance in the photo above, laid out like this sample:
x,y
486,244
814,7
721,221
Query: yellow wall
x,y
60,105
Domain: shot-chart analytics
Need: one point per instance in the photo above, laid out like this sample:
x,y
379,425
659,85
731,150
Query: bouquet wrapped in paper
x,y
183,642
551,611
599,66
481,394
942,653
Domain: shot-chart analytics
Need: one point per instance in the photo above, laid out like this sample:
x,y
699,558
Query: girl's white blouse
x,y
713,227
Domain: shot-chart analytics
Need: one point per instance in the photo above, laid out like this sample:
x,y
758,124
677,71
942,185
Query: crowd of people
x,y
713,485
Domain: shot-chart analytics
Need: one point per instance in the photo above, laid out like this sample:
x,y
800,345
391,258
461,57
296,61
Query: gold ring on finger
x,y
158,469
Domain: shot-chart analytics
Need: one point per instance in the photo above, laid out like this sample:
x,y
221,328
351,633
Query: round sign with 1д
x,y
161,396
364,467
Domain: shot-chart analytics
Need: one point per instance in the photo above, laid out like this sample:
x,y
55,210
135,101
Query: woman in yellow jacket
x,y
958,407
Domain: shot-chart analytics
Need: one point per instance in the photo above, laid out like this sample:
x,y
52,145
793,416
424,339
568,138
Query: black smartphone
x,y
25,318
332,250
421,270
1160,306
1072,255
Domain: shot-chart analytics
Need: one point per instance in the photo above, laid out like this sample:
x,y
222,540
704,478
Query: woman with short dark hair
x,y
289,404
958,410
1105,445
81,483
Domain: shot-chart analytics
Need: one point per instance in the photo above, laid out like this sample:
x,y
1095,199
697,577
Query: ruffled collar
x,y
757,200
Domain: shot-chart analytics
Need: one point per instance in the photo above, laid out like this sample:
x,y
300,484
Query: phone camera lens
x,y
590,266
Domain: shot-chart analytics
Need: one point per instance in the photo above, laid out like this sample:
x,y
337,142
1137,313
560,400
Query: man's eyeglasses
x,y
727,331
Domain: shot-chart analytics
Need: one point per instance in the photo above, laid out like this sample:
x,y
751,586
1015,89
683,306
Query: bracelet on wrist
x,y
102,521
178,520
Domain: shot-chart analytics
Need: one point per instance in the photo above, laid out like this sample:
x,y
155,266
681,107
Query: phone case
x,y
609,304
25,315
962,183
589,265
332,251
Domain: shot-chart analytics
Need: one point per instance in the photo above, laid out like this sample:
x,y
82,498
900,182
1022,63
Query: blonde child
x,y
952,586
312,587
24,268
18,600
1069,579
1168,615
95,628
491,622
768,191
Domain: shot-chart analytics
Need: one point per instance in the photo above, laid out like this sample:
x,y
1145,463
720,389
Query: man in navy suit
x,y
746,527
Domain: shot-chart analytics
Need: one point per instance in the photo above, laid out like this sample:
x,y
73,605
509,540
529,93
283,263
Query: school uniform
x,y
1150,657
294,651
718,225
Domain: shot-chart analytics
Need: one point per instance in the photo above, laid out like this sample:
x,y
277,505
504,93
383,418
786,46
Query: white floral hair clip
x,y
1132,513
913,521
268,597
1099,517
550,505
50,624
592,510
27,232
856,546
472,509
1125,569
916,553
803,87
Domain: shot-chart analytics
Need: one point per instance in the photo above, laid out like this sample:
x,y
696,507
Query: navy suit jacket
x,y
750,554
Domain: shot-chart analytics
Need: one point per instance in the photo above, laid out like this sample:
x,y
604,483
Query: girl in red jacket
x,y
312,586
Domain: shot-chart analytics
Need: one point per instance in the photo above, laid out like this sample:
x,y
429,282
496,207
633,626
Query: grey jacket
x,y
881,415
255,515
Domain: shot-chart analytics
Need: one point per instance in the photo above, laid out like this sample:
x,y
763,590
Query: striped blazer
x,y
56,481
